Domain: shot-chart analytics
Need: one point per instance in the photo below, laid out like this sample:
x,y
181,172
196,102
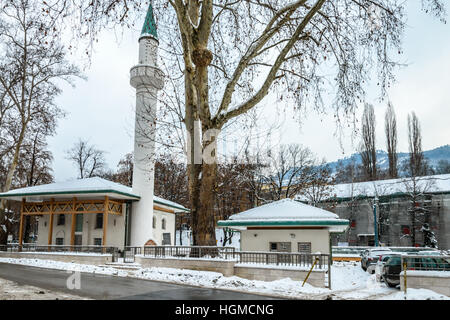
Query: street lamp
x,y
375,224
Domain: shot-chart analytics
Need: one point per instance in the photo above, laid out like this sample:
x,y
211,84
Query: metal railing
x,y
204,252
425,262
285,259
358,250
57,248
230,253
129,253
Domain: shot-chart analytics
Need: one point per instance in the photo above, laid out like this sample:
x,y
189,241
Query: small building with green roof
x,y
286,226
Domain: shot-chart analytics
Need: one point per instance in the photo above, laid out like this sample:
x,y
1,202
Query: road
x,y
96,286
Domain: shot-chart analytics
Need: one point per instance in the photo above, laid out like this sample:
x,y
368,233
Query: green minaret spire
x,y
149,27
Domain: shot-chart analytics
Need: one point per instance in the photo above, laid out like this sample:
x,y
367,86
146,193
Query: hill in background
x,y
433,156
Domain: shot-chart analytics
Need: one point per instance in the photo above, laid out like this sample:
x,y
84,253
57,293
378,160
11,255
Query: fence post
x,y
404,274
330,261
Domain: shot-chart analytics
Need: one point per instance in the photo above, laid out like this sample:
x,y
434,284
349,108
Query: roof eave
x,y
171,205
14,196
285,223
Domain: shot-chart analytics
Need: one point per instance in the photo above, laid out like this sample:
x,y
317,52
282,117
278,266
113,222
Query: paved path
x,y
98,286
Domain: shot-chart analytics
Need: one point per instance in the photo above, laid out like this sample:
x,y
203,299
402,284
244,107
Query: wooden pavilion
x,y
72,198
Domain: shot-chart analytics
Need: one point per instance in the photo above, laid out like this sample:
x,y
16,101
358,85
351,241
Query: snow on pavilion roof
x,y
81,188
427,184
286,212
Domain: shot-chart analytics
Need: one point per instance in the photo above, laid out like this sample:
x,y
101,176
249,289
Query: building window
x,y
97,241
280,246
163,224
61,220
154,222
405,229
304,247
99,221
59,241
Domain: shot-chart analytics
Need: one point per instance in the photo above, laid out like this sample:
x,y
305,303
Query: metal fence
x,y
57,248
425,262
322,261
229,253
204,252
129,253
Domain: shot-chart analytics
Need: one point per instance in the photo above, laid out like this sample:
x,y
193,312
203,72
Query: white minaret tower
x,y
148,80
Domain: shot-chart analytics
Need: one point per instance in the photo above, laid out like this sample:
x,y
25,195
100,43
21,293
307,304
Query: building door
x,y
166,239
78,239
79,223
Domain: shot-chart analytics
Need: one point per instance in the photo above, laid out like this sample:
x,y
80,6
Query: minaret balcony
x,y
146,75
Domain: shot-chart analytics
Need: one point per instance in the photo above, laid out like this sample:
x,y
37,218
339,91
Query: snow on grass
x,y
67,253
349,281
348,275
416,294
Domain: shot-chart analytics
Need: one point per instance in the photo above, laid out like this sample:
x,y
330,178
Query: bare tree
x,y
318,186
443,166
33,61
417,184
288,171
416,189
32,67
124,173
224,57
390,129
89,160
417,164
368,148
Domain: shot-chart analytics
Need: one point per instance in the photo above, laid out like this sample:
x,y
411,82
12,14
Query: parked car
x,y
429,253
392,268
380,264
370,257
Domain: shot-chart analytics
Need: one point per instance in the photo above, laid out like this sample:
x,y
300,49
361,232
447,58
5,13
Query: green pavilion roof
x,y
90,188
285,213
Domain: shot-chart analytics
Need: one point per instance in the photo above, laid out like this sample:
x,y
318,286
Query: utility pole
x,y
375,224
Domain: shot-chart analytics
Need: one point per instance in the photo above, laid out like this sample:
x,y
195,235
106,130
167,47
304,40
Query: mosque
x,y
96,211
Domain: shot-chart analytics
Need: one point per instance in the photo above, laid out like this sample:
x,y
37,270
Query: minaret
x,y
148,80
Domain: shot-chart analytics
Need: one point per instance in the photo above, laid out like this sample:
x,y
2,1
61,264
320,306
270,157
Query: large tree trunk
x,y
205,233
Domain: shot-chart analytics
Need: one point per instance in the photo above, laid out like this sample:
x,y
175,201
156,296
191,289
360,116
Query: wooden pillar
x,y
50,226
21,225
105,220
72,230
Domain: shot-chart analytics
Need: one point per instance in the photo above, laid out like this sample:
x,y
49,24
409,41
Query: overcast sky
x,y
101,108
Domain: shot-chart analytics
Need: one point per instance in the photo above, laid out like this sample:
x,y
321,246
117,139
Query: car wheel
x,y
390,285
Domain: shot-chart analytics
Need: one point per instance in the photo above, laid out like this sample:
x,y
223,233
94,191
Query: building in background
x,y
397,202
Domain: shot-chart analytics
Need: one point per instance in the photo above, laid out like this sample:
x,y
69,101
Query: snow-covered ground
x,y
349,281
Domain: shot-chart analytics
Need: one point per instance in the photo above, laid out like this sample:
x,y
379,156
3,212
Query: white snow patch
x,y
416,294
349,281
